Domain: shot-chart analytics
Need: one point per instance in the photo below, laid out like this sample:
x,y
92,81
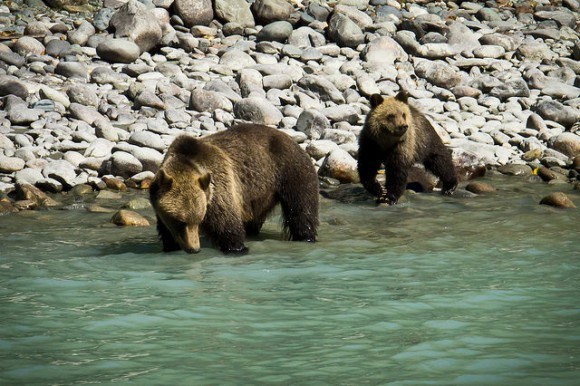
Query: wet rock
x,y
339,164
114,183
479,188
515,170
137,204
27,192
125,217
548,174
557,200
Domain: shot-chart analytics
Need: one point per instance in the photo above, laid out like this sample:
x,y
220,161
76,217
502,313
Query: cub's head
x,y
180,194
389,118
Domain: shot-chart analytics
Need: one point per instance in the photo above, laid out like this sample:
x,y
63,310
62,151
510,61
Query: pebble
x,y
87,97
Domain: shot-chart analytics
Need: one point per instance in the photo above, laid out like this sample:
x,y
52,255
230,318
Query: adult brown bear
x,y
227,183
398,135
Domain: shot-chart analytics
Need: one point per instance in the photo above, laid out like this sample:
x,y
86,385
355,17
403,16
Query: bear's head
x,y
180,194
389,118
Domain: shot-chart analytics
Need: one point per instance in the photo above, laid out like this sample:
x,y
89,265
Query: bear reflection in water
x,y
226,184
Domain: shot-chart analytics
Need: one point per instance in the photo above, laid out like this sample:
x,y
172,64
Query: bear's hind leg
x,y
442,166
300,211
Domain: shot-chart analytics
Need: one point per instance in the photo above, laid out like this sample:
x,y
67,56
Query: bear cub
x,y
227,183
398,135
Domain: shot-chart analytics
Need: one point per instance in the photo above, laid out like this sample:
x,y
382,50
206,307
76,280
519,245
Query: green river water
x,y
434,291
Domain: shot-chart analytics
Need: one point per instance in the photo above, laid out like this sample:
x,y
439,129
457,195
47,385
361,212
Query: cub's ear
x,y
376,99
402,96
205,180
164,179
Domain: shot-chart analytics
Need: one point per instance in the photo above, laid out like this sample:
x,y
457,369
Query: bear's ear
x,y
165,180
205,180
402,96
376,99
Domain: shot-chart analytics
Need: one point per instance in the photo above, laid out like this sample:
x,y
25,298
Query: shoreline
x,y
84,106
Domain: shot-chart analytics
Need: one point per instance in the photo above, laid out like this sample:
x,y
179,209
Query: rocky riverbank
x,y
92,94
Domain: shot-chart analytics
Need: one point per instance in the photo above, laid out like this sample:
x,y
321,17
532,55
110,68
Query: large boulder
x,y
194,12
137,23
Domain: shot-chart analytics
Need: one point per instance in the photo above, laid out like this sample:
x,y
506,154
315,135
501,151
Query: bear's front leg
x,y
368,168
395,184
169,243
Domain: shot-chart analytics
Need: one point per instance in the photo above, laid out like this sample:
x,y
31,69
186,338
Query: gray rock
x,y
461,38
312,123
62,171
267,11
566,143
344,31
202,100
194,12
82,34
27,45
147,139
12,58
118,51
28,176
82,94
72,70
22,115
511,88
257,110
237,60
278,31
279,82
557,112
58,48
149,99
125,165
318,149
137,23
11,85
438,73
508,42
100,147
85,113
563,17
341,113
383,51
305,37
322,87
237,11
10,164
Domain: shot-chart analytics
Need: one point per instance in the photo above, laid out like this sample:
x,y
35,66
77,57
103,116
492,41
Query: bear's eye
x,y
390,116
404,115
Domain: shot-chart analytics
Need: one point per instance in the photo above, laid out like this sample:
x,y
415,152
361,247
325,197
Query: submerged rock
x,y
129,218
557,200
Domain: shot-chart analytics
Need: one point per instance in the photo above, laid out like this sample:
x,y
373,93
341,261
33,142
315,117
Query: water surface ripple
x,y
436,291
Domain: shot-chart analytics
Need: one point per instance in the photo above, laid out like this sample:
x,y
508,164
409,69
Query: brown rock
x,y
557,200
129,218
479,188
115,184
549,174
32,193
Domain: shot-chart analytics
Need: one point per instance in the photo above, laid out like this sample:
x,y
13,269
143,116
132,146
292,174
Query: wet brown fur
x,y
228,183
398,135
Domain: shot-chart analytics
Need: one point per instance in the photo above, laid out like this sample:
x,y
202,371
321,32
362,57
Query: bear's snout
x,y
192,250
401,129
